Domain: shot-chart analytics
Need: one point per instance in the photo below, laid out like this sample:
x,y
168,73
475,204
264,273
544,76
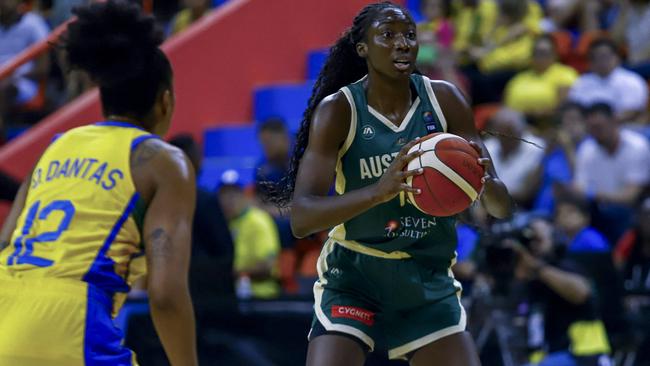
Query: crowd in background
x,y
560,91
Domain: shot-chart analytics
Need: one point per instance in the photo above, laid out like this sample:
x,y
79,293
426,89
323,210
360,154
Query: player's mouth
x,y
402,64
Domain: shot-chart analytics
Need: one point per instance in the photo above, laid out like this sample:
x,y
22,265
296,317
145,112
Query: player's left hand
x,y
485,162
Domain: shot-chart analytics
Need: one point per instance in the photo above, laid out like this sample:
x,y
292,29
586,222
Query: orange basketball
x,y
451,180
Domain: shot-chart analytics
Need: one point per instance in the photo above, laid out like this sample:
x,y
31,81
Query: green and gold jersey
x,y
395,228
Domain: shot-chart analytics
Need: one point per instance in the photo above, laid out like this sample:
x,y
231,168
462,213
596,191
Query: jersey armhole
x,y
434,102
353,122
138,214
140,139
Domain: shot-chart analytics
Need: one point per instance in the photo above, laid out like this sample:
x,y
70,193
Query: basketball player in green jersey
x,y
384,274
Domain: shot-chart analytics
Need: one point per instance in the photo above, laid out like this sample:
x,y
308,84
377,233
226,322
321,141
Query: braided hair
x,y
343,66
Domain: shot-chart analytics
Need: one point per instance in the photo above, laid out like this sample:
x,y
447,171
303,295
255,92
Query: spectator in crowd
x,y
472,20
436,32
211,274
634,247
193,11
632,255
276,144
612,169
632,28
573,332
557,167
257,244
514,160
561,15
608,82
537,92
62,10
572,218
436,57
508,45
18,31
503,50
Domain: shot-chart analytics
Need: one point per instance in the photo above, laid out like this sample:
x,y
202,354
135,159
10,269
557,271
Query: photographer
x,y
572,332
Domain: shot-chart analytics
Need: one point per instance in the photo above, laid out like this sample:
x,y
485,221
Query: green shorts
x,y
396,304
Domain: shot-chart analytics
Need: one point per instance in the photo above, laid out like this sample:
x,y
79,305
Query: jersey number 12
x,y
25,256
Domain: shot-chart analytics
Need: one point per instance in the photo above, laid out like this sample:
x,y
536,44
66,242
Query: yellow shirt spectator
x,y
256,240
508,45
531,91
470,22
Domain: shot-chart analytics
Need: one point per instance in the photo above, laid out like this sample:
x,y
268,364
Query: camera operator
x,y
567,327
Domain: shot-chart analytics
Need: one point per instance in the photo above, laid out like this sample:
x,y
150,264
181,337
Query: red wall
x,y
217,64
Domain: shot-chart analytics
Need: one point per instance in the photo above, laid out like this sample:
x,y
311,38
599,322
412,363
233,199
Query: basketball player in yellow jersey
x,y
105,204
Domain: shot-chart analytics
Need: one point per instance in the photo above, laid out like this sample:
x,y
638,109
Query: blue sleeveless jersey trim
x,y
103,341
55,137
138,140
118,124
101,273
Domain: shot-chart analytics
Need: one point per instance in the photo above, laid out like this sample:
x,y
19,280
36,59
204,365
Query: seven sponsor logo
x,y
352,312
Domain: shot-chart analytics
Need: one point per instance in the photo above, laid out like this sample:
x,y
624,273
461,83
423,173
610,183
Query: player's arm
x,y
312,209
495,197
16,208
167,234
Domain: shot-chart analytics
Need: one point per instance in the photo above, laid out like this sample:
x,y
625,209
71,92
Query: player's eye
x,y
387,34
411,35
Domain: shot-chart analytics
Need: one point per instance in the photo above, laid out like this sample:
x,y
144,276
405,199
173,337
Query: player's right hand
x,y
393,181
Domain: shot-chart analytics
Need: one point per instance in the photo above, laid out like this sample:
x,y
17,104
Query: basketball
x,y
451,180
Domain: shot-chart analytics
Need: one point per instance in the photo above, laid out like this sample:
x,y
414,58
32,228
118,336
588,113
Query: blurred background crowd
x,y
560,93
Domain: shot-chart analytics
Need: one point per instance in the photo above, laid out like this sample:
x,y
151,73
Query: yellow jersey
x,y
78,222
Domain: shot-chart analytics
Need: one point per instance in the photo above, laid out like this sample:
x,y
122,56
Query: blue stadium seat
x,y
287,101
240,140
315,61
413,7
213,167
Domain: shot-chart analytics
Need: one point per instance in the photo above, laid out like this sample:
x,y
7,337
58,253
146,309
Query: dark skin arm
x,y
312,210
16,208
495,197
165,178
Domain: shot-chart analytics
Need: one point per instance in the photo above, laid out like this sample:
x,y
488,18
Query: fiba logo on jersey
x,y
367,132
429,121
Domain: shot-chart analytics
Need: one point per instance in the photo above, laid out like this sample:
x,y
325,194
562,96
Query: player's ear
x,y
167,102
362,49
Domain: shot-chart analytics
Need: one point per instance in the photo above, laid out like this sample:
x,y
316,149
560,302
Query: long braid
x,y
343,66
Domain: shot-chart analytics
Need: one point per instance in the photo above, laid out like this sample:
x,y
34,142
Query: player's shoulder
x,y
333,114
159,154
335,103
441,87
447,93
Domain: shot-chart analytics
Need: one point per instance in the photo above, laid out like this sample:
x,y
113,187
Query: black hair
x,y
183,141
548,38
604,41
343,66
273,124
514,9
572,199
563,108
599,108
117,45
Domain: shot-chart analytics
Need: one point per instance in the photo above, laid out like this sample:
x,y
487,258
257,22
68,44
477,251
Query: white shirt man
x,y
622,89
601,172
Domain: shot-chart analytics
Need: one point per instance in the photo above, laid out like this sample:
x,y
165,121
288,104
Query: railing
x,y
34,51
45,45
